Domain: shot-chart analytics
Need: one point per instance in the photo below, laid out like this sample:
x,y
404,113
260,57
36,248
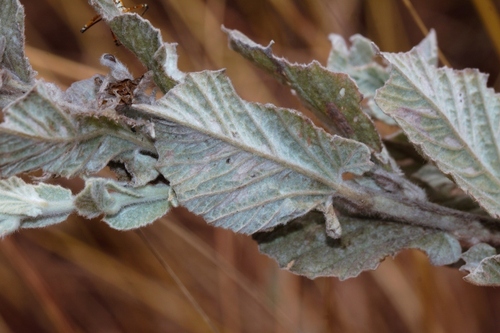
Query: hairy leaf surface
x,y
246,166
483,263
333,97
32,206
123,207
139,36
452,116
360,62
39,132
363,64
12,54
303,247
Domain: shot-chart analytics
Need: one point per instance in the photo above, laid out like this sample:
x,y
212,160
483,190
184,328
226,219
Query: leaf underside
x,y
483,263
123,208
12,56
452,116
39,133
31,206
303,247
333,97
246,166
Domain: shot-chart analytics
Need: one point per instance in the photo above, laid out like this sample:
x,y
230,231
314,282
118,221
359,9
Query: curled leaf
x,y
123,208
139,36
24,205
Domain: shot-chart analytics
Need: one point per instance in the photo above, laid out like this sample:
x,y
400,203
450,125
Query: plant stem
x,y
468,228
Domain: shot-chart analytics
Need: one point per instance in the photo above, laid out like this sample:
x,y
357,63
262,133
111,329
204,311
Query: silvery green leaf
x,y
475,254
32,206
123,207
17,197
9,224
106,8
452,116
483,263
40,132
12,55
139,167
304,248
333,97
246,166
139,36
360,62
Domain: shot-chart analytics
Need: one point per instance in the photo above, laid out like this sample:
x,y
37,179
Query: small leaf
x,y
333,97
452,116
32,206
12,54
39,132
9,224
19,198
106,8
246,166
360,62
483,264
475,254
144,40
304,248
123,207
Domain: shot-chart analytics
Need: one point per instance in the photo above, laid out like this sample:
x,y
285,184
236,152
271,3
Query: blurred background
x,y
82,276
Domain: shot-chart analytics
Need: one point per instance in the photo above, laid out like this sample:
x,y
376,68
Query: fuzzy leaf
x,y
246,166
333,97
32,206
123,207
139,36
483,264
360,62
475,254
12,54
303,247
39,132
452,116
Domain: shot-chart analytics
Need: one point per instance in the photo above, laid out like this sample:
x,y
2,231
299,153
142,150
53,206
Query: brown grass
x,y
82,276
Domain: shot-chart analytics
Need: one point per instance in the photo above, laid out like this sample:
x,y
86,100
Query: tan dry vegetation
x,y
81,276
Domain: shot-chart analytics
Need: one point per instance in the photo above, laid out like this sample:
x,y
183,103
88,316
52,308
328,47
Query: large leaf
x,y
303,247
333,97
246,166
452,116
123,207
40,132
32,206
